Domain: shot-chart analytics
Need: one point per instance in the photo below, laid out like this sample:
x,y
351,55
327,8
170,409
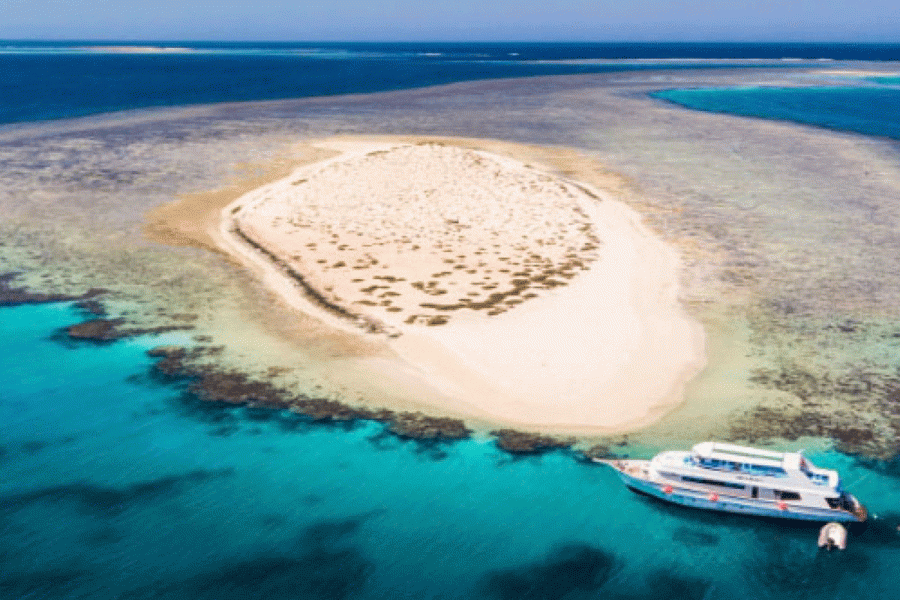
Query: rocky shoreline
x,y
519,442
209,383
212,384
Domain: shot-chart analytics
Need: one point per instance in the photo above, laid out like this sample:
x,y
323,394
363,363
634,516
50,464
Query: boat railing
x,y
748,469
724,493
630,467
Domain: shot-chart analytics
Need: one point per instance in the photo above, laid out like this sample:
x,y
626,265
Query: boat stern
x,y
859,510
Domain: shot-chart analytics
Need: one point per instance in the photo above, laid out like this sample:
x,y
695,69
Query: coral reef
x,y
519,442
110,330
213,384
14,296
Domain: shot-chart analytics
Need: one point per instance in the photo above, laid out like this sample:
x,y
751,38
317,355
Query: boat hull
x,y
722,502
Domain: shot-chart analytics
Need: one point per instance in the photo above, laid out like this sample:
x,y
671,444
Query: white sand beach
x,y
522,297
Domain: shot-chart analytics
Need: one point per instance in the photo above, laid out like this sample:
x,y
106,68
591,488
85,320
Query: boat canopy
x,y
793,461
793,466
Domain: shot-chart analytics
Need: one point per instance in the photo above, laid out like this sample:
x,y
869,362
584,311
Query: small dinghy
x,y
833,535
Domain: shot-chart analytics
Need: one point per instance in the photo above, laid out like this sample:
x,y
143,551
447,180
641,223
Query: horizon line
x,y
438,41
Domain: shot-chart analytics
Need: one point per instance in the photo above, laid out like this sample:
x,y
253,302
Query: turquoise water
x,y
886,80
868,110
117,485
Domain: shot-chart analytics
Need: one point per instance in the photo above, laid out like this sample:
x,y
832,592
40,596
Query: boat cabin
x,y
761,463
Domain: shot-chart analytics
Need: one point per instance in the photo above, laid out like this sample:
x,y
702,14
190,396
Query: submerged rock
x,y
601,451
14,296
236,388
94,307
520,442
423,427
97,330
321,409
108,330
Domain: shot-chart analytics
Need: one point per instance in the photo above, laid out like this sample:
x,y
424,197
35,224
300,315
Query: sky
x,y
453,20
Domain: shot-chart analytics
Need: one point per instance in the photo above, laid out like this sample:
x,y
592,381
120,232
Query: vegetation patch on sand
x,y
386,232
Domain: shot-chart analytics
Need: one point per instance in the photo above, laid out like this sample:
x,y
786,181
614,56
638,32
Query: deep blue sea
x,y
40,80
116,485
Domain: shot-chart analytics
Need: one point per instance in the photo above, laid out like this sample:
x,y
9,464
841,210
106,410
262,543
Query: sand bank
x,y
511,293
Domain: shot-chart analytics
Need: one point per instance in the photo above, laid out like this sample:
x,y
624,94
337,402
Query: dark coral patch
x,y
519,442
322,565
49,583
15,296
109,330
662,584
211,384
94,498
572,571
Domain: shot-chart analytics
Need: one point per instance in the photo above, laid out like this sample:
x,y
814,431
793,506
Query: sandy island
x,y
523,297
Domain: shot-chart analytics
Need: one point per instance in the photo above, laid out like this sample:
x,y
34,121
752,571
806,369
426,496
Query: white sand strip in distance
x,y
524,298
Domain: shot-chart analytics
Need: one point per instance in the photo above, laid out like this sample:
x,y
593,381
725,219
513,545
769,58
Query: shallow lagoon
x,y
870,110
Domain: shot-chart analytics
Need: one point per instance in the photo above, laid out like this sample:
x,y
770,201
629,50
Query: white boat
x,y
742,480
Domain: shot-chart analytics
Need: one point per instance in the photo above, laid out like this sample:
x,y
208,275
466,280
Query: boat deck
x,y
635,468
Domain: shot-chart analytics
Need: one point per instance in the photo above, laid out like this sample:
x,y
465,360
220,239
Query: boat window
x,y
846,503
787,495
703,481
842,503
817,478
765,471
